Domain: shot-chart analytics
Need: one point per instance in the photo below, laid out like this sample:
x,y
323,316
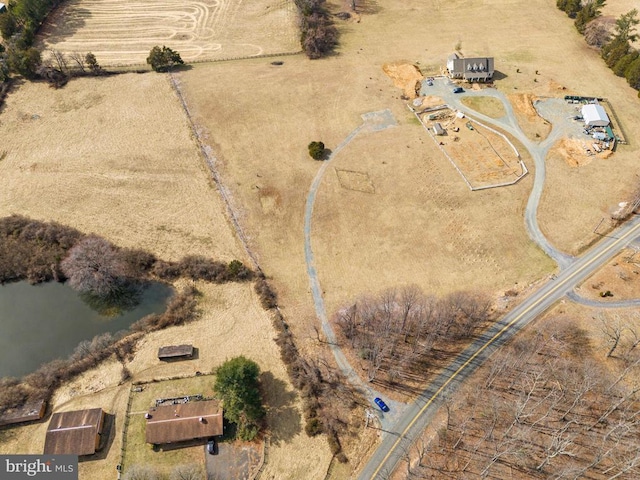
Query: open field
x,y
95,156
122,33
489,106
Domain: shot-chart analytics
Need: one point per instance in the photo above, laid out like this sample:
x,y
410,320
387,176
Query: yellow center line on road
x,y
559,285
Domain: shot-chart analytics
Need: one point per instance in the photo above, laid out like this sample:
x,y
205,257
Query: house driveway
x,y
233,461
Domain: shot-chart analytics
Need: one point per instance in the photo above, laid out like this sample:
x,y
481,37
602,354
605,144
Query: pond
x,y
43,322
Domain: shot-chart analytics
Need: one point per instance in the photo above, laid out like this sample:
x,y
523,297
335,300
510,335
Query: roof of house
x,y
186,421
594,112
175,351
74,433
2,6
26,413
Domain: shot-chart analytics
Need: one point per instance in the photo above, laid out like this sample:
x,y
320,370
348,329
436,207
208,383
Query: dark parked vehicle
x,y
383,406
212,446
458,90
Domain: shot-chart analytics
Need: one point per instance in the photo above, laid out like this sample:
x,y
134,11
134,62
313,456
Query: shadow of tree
x,y
283,416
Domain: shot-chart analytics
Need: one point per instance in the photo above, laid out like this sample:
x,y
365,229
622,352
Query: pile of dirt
x,y
523,103
406,76
573,151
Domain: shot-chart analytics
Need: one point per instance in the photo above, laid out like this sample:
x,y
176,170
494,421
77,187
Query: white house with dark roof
x,y
475,69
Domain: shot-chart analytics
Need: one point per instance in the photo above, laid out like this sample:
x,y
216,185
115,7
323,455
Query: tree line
x,y
318,34
542,407
613,38
399,334
328,399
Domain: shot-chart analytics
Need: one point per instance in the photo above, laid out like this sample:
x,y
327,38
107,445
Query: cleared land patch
x,y
482,156
122,33
358,181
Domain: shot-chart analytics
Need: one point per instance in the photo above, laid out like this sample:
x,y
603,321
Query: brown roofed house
x,y
74,433
184,421
175,352
26,413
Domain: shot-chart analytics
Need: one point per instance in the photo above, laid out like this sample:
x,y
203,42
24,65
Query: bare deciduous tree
x,y
94,266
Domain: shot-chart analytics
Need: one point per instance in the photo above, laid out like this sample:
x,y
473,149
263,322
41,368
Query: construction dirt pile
x,y
406,76
523,103
573,152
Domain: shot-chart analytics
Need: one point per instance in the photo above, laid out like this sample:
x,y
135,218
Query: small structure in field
x,y
184,422
74,433
474,69
173,352
26,413
594,115
3,8
437,129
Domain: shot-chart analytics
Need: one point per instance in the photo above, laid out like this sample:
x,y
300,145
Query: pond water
x,y
43,322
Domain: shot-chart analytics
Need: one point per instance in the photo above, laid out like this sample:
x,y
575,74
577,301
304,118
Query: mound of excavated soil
x,y
405,76
573,151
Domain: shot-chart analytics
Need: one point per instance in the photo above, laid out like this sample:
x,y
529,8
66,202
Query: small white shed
x,y
594,115
3,8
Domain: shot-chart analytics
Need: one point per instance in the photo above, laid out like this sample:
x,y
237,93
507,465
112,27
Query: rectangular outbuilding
x,y
175,351
3,8
183,422
594,115
437,129
74,433
29,412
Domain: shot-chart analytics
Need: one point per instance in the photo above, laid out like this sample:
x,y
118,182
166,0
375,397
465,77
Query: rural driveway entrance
x,y
372,122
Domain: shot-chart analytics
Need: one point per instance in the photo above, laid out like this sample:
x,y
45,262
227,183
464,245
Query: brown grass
x,y
619,276
206,30
489,106
98,159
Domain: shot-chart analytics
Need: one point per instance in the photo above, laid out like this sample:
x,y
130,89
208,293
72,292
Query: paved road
x,y
418,415
572,272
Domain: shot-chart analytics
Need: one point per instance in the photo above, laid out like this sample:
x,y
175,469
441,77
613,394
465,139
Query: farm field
x,y
94,156
119,32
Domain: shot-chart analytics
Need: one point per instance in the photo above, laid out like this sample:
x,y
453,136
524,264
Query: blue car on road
x,y
458,90
383,406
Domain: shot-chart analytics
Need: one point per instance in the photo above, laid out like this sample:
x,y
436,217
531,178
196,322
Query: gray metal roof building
x,y
475,69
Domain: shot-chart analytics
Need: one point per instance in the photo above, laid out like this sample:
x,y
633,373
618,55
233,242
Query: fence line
x,y
263,460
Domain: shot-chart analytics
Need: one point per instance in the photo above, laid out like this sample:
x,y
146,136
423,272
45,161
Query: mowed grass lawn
x,y
137,451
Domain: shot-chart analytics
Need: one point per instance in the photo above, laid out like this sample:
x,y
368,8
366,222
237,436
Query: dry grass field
x,y
113,156
122,33
489,106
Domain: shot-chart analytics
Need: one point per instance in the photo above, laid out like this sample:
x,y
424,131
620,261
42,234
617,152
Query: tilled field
x,y
120,32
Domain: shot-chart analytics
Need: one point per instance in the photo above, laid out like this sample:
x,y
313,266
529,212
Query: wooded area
x,y
542,407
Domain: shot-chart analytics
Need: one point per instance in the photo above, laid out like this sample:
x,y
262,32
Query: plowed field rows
x,y
121,32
